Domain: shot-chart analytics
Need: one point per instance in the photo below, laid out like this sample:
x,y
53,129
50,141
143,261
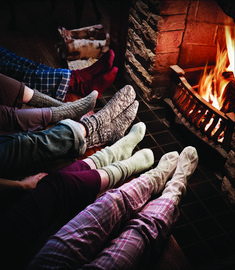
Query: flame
x,y
212,85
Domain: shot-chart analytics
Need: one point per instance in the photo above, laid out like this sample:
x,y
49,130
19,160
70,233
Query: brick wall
x,y
169,32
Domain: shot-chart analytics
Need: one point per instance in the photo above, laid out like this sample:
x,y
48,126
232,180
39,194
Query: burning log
x,y
215,127
229,94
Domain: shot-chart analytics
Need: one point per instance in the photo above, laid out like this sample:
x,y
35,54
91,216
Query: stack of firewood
x,y
84,46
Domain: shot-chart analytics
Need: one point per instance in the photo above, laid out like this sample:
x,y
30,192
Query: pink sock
x,y
99,83
100,67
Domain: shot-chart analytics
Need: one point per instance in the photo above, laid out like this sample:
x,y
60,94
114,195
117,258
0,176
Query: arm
x,y
27,183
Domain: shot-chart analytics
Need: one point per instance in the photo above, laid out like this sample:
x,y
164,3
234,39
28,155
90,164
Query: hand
x,y
30,182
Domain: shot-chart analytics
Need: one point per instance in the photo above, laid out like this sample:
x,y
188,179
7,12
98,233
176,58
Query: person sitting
x,y
47,111
124,224
58,82
60,195
30,152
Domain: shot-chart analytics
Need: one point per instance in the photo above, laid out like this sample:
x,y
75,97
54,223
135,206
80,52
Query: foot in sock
x,y
122,149
99,83
74,110
187,163
117,104
121,170
103,65
115,130
165,169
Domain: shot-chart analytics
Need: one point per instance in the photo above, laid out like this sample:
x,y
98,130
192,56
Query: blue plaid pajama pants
x,y
48,80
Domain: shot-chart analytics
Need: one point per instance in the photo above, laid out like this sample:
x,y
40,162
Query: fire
x,y
212,85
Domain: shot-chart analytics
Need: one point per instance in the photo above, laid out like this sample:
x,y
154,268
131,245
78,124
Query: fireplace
x,y
168,46
198,115
163,33
179,35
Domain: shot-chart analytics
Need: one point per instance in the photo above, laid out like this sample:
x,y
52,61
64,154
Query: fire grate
x,y
204,120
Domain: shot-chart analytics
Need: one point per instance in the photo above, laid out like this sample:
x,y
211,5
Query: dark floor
x,y
206,227
205,230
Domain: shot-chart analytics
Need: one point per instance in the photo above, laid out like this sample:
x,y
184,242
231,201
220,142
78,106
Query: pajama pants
x,y
29,152
12,117
111,233
48,80
57,198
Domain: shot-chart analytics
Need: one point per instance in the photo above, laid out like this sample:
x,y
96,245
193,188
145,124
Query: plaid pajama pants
x,y
122,214
48,80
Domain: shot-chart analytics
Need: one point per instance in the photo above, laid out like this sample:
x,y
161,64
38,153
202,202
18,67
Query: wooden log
x,y
84,43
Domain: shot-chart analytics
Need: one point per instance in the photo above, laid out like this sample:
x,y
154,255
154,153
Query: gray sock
x,y
116,129
74,110
40,100
119,102
120,150
121,170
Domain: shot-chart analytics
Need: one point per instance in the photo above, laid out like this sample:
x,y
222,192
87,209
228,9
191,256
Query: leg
x,y
95,223
11,92
55,200
69,246
147,231
152,225
20,153
99,221
18,120
50,81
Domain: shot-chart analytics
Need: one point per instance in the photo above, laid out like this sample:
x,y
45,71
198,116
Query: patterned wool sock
x,y
121,170
74,110
100,67
40,100
165,169
117,104
99,83
116,129
186,166
122,149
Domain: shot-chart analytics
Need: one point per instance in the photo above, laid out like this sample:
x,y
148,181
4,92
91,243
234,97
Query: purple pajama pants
x,y
111,233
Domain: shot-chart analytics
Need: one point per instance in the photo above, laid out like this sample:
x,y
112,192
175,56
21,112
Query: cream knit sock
x,y
40,100
121,170
165,169
74,110
187,163
120,150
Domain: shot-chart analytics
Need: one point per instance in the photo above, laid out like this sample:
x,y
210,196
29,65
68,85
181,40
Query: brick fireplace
x,y
185,34
170,32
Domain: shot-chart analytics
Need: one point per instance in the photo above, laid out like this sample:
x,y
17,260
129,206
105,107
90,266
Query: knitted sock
x,y
114,130
99,83
122,149
74,110
117,104
187,164
121,170
100,67
40,100
165,168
